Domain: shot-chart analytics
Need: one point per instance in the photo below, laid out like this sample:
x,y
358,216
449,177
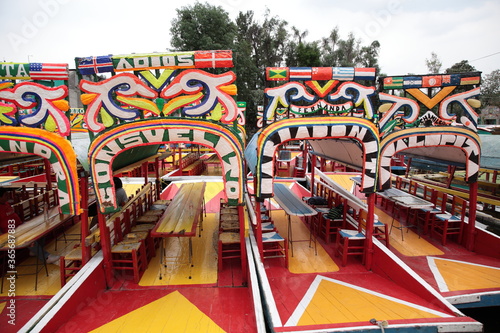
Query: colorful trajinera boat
x,y
318,236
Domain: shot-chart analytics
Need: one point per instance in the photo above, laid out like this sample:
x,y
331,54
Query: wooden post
x,y
48,169
144,169
258,229
244,263
370,200
471,228
106,249
408,167
451,170
313,166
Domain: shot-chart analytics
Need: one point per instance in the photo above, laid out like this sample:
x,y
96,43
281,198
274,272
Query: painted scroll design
x,y
196,91
106,147
350,98
361,130
463,139
439,94
35,105
57,150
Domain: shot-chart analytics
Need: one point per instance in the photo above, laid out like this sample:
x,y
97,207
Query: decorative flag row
x,y
319,73
33,71
140,62
429,81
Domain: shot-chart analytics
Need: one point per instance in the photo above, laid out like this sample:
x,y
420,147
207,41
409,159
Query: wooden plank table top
x,y
181,216
34,229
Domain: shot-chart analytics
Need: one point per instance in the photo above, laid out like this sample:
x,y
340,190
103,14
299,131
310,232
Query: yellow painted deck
x,y
330,301
412,245
304,259
343,180
455,275
4,180
178,270
131,188
171,313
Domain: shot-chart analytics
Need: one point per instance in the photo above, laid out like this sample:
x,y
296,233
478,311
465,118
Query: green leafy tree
x,y
490,89
202,27
461,67
248,76
336,51
433,64
308,54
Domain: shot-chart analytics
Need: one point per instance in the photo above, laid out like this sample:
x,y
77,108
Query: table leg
x,y
163,259
190,254
289,234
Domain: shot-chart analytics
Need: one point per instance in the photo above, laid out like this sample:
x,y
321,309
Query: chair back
x,y
363,216
412,189
459,207
428,193
440,199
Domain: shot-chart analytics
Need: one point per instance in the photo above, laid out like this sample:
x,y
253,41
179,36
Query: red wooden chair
x,y
229,247
274,246
425,216
446,224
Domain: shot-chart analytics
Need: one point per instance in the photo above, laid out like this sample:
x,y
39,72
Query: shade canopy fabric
x,y
290,202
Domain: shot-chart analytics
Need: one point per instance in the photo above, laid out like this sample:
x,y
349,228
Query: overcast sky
x,y
408,30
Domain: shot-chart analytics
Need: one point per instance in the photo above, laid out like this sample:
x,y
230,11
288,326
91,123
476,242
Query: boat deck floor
x,y
315,291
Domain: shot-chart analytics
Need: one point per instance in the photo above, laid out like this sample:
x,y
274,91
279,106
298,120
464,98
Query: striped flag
x,y
470,80
213,59
431,81
412,82
321,73
343,73
43,71
364,74
300,73
94,65
393,82
277,73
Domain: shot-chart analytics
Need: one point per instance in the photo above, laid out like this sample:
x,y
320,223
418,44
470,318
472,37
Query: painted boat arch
x,y
223,140
359,129
462,139
54,148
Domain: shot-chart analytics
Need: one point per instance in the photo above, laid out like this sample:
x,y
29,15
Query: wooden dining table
x,y
34,229
25,235
181,218
406,200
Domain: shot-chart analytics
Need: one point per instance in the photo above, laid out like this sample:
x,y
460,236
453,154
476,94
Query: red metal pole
x,y
471,229
370,200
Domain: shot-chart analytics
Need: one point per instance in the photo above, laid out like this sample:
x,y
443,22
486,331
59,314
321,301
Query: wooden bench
x,y
192,169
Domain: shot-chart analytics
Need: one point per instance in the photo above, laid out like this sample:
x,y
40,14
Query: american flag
x,y
43,71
